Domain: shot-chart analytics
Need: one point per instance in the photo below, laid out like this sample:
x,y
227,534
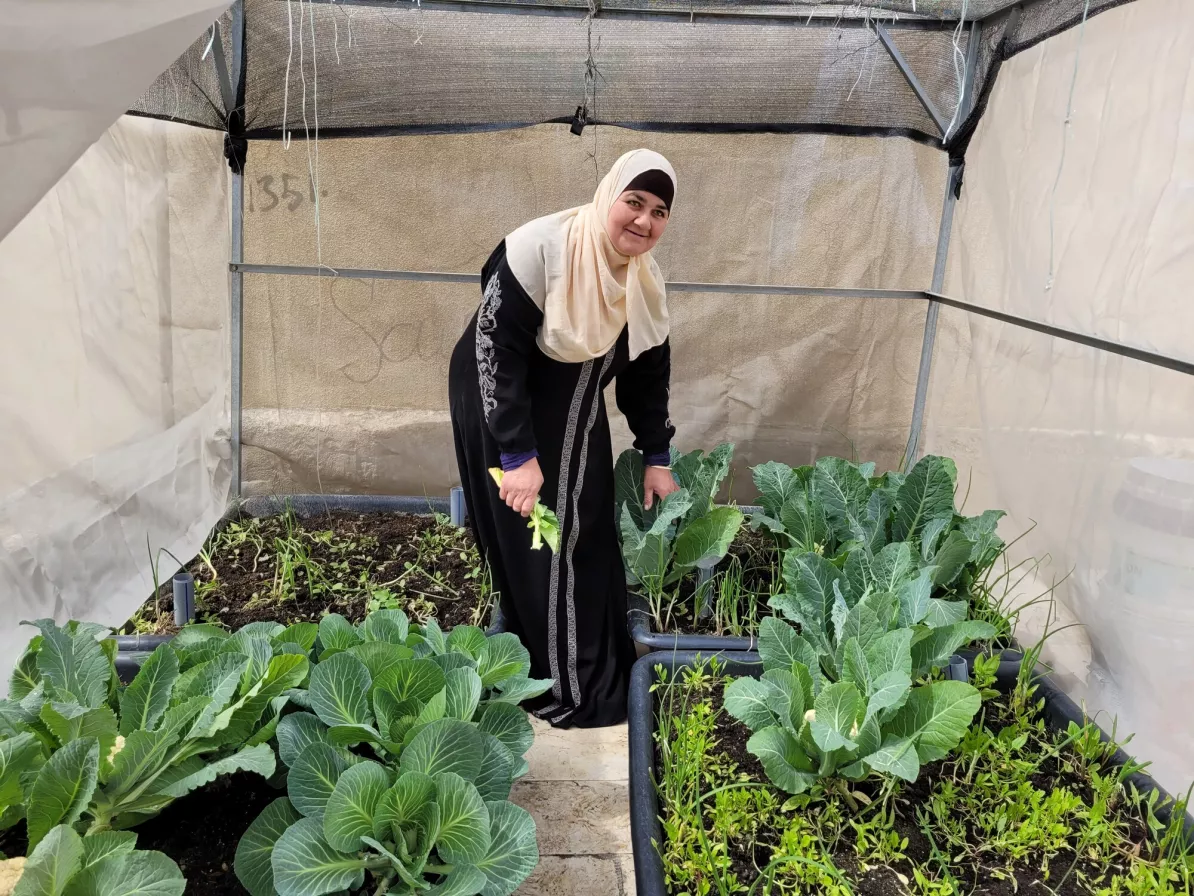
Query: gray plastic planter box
x,y
645,831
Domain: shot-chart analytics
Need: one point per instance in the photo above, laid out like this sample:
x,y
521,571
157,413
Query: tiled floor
x,y
577,791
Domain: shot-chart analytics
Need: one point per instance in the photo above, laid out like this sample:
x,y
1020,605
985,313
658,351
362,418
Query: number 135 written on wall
x,y
267,193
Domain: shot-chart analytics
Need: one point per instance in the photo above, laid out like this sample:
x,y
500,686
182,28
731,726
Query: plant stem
x,y
383,886
439,869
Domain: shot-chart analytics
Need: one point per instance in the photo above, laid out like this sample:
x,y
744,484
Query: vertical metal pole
x,y
236,281
939,264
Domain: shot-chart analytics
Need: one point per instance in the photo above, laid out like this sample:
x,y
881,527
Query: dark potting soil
x,y
349,553
746,858
201,831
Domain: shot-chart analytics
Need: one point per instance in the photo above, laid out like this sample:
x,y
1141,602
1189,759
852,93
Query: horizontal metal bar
x,y
762,289
684,16
910,76
1106,345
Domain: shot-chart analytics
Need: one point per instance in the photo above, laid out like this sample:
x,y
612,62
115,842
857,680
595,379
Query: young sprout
x,y
544,525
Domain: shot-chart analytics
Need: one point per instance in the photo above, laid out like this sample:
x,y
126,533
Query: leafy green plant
x,y
842,704
82,750
682,533
543,523
105,864
419,803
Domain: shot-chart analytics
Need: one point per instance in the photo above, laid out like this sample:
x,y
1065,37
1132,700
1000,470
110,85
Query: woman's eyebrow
x,y
659,203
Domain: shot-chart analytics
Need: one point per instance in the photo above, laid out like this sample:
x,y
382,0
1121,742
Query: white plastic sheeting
x,y
68,69
1088,227
113,369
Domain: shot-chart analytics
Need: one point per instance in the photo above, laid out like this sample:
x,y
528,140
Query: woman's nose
x,y
643,222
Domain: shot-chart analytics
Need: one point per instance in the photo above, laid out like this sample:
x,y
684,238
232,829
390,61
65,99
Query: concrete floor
x,y
577,791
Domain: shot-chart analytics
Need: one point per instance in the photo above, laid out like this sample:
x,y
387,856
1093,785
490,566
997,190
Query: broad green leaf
x,y
252,863
945,612
51,865
513,852
804,520
78,722
284,672
417,680
146,698
258,759
391,626
706,540
337,633
340,691
954,555
447,745
193,635
463,690
843,491
313,778
19,755
262,631
433,710
516,690
25,676
878,512
868,738
786,763
981,530
404,803
467,640
297,732
219,680
63,788
936,646
509,724
351,735
258,652
669,510
394,716
304,634
859,573
914,598
891,689
838,707
304,864
809,578
496,773
647,560
434,636
74,664
628,488
780,646
861,623
775,483
753,703
379,656
449,661
142,873
890,653
926,494
502,657
936,717
464,820
102,844
349,813
892,566
931,534
897,756
795,697
465,880
855,669
145,754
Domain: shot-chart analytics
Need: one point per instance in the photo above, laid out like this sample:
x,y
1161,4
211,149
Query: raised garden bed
x,y
1034,799
835,519
299,559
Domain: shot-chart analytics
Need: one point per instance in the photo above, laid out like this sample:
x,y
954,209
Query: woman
x,y
571,302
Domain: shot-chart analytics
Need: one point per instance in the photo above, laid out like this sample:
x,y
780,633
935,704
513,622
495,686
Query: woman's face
x,y
636,221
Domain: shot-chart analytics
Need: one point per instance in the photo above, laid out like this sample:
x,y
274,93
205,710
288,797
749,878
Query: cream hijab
x,y
586,289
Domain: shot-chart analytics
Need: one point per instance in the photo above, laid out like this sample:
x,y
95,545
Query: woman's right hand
x,y
520,487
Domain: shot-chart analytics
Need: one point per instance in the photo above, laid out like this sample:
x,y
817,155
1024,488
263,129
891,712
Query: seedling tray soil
x,y
296,568
750,850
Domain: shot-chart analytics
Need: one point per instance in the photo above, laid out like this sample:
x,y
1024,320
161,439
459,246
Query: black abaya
x,y
508,397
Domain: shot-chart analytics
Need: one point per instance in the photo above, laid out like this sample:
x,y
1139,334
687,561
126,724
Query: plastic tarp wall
x,y
68,69
1089,228
114,361
346,379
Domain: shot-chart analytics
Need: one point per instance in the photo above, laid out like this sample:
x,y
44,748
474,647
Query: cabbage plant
x,y
82,750
103,864
867,716
400,767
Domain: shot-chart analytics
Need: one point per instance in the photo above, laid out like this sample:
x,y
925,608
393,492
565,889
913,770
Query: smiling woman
x,y
570,302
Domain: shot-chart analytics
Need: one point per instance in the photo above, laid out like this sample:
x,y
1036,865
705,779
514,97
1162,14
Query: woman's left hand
x,y
658,482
